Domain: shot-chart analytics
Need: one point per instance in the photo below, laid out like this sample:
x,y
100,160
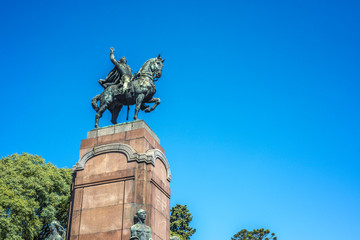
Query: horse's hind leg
x,y
139,100
115,113
153,100
143,107
99,114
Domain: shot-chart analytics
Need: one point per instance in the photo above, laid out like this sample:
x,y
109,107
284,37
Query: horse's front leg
x,y
139,101
153,100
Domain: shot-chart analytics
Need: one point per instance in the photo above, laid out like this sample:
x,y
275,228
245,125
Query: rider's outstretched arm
x,y
112,57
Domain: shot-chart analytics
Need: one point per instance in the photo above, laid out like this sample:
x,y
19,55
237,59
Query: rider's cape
x,y
113,77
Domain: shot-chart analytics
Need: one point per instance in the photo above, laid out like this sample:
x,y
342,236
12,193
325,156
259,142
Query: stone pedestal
x,y
122,168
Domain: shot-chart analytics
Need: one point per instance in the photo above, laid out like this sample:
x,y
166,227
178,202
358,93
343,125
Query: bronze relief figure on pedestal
x,y
139,231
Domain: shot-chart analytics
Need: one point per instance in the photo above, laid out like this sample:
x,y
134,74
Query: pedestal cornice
x,y
149,157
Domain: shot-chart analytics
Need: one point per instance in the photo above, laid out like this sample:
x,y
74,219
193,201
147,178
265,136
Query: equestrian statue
x,y
121,88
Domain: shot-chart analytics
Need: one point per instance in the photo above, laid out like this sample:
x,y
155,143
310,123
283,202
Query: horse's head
x,y
156,65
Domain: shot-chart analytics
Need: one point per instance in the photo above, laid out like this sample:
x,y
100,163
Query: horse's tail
x,y
94,102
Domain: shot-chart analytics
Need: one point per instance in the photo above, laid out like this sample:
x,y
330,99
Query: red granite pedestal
x,y
122,168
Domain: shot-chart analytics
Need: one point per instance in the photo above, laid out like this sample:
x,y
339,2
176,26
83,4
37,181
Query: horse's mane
x,y
145,65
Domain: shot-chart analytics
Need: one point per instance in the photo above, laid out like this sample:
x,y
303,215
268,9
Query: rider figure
x,y
121,72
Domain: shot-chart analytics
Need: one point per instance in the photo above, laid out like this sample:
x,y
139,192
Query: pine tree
x,y
180,219
256,234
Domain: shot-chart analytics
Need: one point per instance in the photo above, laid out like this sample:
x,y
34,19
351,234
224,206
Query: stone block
x,y
148,196
138,124
128,215
156,237
142,124
122,127
119,137
157,146
149,172
110,235
74,237
83,151
103,195
159,200
75,223
153,143
78,195
105,139
140,145
88,143
109,162
140,173
160,184
160,171
133,134
129,191
126,233
159,225
101,219
92,134
140,192
108,176
105,131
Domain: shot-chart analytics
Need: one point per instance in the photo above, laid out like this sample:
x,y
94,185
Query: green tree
x,y
32,194
256,234
180,219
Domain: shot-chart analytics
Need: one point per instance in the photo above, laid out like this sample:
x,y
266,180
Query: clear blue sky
x,y
260,101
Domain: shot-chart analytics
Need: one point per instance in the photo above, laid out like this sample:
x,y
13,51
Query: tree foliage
x,y
32,194
180,219
256,234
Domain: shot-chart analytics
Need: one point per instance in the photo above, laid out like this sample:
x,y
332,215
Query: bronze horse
x,y
141,91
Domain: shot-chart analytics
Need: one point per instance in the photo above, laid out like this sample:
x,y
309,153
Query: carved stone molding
x,y
149,157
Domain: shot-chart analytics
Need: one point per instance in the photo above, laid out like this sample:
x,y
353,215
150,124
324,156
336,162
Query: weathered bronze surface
x,y
124,88
139,231
57,231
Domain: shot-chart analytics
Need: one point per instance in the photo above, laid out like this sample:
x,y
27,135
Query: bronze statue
x,y
139,231
121,72
122,88
55,228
